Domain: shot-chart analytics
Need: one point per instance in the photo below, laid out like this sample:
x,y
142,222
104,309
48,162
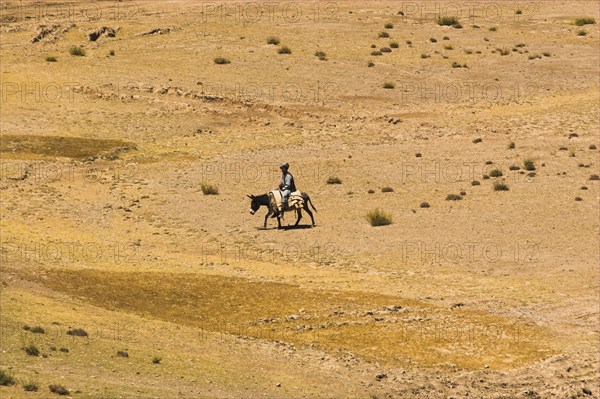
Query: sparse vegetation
x,y
30,386
477,140
209,189
409,42
123,353
500,187
581,33
424,205
448,47
6,379
585,21
51,59
546,54
273,40
453,197
77,51
37,330
495,173
457,26
534,56
388,26
433,40
370,64
371,191
423,55
594,177
378,217
111,53
376,53
384,34
58,389
389,85
447,21
385,50
156,360
387,190
518,11
493,29
445,38
394,45
334,180
475,183
284,50
468,51
321,55
78,332
504,51
511,145
514,167
578,199
221,61
529,165
31,350
592,147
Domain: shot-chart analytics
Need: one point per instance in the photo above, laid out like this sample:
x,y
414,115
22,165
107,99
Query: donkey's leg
x,y
311,215
267,217
299,216
278,222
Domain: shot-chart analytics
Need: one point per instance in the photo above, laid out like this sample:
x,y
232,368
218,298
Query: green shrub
x,y
209,189
500,187
221,61
529,165
58,389
77,51
389,85
377,217
273,40
6,379
284,50
447,21
585,21
31,350
51,59
495,173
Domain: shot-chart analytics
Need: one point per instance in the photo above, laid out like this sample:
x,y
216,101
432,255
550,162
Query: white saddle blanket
x,y
294,202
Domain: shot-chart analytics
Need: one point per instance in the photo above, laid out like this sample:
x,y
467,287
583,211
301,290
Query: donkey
x,y
260,200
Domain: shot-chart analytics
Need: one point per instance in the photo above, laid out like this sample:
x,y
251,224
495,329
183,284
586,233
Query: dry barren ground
x,y
120,279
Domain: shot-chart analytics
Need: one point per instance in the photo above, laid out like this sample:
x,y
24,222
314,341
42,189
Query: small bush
x,y
453,197
371,191
433,40
334,180
321,54
388,26
78,332
457,26
384,34
273,40
546,54
504,51
424,205
493,29
485,177
376,53
447,21
370,64
284,50
385,50
534,56
529,165
477,140
6,379
209,189
394,45
519,12
496,173
468,51
38,330
456,65
520,45
514,167
500,187
389,85
578,199
58,389
475,183
221,61
77,51
423,55
448,47
111,53
585,21
377,217
409,42
387,190
51,59
123,354
31,350
489,162
30,386
592,147
581,33
594,177
511,145
445,38
64,350
156,360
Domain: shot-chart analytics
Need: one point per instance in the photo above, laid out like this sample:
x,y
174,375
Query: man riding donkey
x,y
287,187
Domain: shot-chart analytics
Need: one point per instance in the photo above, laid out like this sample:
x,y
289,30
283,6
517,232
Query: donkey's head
x,y
254,204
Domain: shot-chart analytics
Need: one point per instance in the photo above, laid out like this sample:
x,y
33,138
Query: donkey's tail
x,y
311,204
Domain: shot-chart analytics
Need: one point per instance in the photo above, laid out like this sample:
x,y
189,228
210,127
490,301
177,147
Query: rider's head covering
x,y
284,165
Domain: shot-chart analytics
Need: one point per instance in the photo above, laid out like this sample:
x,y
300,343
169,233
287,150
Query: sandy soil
x,y
104,226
